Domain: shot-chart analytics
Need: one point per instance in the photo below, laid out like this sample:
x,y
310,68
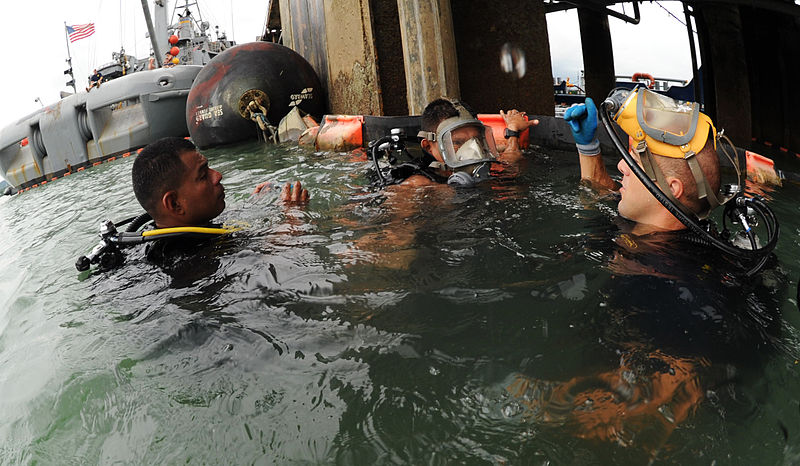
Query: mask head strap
x,y
653,171
463,115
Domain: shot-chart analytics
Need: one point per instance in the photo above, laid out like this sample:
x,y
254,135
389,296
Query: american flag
x,y
80,31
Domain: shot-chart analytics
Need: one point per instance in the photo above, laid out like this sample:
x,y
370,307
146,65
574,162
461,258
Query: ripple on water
x,y
368,327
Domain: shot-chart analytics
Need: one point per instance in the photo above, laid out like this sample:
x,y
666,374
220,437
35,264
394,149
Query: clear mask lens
x,y
471,150
662,113
467,145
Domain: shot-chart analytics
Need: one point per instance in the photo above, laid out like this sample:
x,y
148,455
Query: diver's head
x,y
675,145
638,204
458,141
173,183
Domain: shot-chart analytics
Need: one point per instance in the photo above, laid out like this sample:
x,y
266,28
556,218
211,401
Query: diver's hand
x,y
262,186
294,193
582,119
515,120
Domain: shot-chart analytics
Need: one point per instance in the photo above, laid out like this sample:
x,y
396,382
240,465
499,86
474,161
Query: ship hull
x,y
79,130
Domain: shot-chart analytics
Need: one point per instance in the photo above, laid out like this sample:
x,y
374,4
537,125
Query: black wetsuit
x,y
170,250
674,321
686,298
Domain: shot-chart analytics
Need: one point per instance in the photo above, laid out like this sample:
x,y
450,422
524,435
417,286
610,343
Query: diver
x,y
676,320
671,173
174,184
458,149
182,195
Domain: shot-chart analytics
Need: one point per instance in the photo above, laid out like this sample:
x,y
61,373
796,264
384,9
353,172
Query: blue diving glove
x,y
582,121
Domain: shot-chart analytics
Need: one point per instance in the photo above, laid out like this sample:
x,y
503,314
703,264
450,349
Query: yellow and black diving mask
x,y
671,128
463,140
660,125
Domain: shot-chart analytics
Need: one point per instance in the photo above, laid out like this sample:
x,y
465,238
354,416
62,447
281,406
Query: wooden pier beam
x,y
726,81
482,29
598,56
429,51
336,37
354,87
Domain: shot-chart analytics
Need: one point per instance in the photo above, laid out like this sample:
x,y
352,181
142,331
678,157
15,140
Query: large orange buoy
x,y
173,39
174,51
245,79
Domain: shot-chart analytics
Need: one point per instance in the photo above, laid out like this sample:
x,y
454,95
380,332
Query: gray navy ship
x,y
138,101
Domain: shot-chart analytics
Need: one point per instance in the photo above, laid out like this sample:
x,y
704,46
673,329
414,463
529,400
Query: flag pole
x,y
66,37
69,59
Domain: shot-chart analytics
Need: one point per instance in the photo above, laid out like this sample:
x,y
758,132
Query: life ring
x,y
637,76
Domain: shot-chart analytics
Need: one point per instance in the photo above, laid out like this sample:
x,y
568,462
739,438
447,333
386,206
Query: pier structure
x,y
391,57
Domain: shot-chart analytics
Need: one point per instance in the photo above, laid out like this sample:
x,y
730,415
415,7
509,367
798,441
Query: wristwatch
x,y
510,133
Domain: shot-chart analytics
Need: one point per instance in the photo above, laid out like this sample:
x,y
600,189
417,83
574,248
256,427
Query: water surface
x,y
484,326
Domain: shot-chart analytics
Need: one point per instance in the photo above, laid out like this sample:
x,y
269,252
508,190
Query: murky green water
x,y
495,326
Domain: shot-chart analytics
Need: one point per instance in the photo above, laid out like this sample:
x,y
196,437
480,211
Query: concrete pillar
x,y
353,75
598,56
482,28
429,52
725,53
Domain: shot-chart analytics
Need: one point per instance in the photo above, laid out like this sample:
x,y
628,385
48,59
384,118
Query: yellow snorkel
x,y
161,232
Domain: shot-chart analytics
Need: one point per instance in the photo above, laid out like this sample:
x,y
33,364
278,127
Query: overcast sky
x,y
35,53
33,61
658,45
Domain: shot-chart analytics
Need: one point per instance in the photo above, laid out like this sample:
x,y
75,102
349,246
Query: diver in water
x,y
672,176
677,320
636,203
458,149
174,184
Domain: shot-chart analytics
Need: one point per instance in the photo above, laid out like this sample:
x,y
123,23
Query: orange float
x,y
340,133
498,125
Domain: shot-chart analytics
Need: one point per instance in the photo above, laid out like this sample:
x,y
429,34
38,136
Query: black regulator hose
x,y
741,202
138,221
373,152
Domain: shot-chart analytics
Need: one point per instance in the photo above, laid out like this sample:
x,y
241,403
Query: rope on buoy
x,y
258,114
